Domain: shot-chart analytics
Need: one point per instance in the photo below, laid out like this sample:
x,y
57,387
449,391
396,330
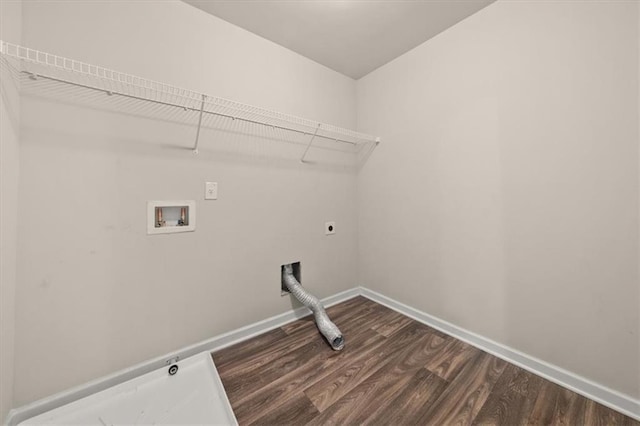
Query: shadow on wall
x,y
9,92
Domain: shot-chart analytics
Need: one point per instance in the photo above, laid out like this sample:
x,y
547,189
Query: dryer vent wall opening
x,y
328,329
297,274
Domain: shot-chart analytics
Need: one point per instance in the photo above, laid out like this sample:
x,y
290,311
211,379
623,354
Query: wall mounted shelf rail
x,y
42,71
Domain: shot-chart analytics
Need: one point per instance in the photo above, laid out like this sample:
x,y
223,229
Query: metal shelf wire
x,y
58,77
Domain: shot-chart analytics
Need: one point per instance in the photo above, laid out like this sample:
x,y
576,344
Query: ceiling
x,y
353,37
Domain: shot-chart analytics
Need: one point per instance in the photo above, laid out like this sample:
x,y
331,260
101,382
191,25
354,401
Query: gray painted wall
x,y
505,197
96,293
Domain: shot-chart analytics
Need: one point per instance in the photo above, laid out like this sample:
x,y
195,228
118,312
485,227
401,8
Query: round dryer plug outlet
x,y
329,228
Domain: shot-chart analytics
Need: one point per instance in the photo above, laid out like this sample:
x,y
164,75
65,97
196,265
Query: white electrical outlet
x,y
329,228
211,190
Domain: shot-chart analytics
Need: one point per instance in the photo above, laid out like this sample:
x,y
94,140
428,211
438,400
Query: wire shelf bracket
x,y
195,147
304,154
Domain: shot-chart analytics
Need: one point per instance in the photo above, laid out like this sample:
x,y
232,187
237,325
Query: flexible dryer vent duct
x,y
326,327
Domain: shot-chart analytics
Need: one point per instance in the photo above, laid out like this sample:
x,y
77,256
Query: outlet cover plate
x,y
211,190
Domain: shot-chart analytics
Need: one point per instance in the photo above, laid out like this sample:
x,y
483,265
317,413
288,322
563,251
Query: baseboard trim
x,y
43,405
601,394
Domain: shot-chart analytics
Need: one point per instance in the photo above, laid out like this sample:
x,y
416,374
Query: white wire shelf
x,y
58,77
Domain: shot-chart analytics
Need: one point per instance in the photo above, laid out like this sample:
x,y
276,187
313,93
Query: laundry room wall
x,y
505,196
96,293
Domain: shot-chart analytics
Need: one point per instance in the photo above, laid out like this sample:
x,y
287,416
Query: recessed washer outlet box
x,y
168,217
297,272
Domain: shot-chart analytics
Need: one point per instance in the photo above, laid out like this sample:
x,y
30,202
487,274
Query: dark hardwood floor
x,y
393,371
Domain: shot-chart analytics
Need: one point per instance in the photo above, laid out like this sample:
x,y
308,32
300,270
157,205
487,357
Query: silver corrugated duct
x,y
326,327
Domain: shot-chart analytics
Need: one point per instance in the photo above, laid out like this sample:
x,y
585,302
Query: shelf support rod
x,y
195,147
310,142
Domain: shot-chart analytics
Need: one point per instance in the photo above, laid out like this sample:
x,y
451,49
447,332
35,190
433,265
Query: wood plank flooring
x,y
393,371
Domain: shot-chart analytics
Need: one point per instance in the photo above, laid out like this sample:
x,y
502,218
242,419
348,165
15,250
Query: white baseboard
x,y
35,408
605,396
601,394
